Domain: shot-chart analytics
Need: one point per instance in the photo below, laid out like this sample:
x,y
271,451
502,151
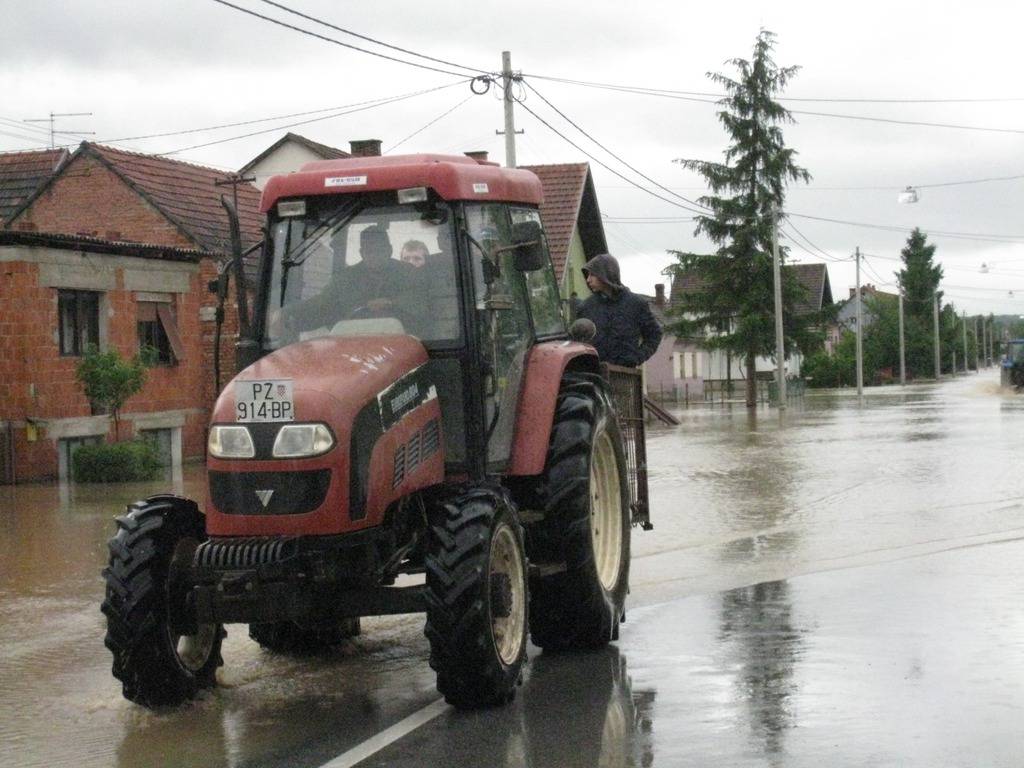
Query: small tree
x,y
735,295
109,380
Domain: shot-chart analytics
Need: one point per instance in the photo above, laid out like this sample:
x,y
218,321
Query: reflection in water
x,y
612,725
758,635
575,710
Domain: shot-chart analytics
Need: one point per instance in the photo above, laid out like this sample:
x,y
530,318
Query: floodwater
x,y
839,584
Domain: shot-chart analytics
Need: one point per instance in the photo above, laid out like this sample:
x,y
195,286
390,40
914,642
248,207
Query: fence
x,y
720,392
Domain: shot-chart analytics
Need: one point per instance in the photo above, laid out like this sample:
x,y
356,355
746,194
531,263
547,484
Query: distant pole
x,y
963,327
860,334
780,343
977,359
935,317
903,348
507,79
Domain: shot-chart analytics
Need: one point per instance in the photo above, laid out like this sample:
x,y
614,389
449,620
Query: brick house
x,y
111,248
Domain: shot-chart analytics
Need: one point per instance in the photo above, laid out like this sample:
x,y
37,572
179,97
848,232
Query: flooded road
x,y
841,584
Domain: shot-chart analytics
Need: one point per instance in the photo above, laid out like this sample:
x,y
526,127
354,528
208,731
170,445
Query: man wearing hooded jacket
x,y
627,332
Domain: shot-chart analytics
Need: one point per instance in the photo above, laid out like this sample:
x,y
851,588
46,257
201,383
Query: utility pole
x,y
903,347
507,80
984,343
52,118
780,342
233,180
977,359
860,334
963,327
935,317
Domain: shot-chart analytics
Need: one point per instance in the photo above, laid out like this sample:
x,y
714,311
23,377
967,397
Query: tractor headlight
x,y
230,442
299,440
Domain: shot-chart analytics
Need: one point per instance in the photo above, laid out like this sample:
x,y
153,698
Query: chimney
x,y
365,148
659,294
480,155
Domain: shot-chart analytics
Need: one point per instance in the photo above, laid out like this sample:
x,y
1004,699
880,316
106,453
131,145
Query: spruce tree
x,y
732,289
919,281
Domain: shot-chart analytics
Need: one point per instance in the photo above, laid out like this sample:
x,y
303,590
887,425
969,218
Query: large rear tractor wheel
x,y
476,599
290,638
161,655
584,495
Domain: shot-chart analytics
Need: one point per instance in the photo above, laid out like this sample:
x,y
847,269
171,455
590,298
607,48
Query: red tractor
x,y
397,415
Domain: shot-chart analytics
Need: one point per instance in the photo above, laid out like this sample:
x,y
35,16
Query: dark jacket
x,y
627,332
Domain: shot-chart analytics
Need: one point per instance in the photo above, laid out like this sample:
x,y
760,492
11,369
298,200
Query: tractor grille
x,y
269,493
244,553
420,447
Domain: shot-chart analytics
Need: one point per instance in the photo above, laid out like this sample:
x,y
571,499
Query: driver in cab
x,y
377,286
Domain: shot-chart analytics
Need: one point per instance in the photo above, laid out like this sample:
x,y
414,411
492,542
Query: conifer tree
x,y
733,288
919,281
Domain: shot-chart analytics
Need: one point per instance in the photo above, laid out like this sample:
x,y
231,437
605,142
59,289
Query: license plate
x,y
264,400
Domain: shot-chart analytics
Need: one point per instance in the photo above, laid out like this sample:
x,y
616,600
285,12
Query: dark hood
x,y
605,267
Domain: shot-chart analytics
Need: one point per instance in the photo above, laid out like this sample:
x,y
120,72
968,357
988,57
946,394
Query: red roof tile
x,y
186,194
22,173
563,192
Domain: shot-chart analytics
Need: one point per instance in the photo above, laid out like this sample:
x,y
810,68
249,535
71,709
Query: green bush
x,y
116,462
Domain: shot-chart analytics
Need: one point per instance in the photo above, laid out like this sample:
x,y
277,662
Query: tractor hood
x,y
369,391
350,371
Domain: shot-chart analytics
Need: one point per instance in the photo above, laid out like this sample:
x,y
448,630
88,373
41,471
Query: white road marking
x,y
387,737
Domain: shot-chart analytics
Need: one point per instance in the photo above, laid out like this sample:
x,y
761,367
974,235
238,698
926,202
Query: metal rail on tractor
x,y
627,389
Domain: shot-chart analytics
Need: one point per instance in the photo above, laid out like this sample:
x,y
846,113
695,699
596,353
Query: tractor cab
x,y
471,280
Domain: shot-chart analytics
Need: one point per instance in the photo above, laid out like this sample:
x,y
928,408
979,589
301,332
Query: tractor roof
x,y
453,177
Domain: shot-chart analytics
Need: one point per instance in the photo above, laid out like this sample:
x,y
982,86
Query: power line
x,y
666,91
696,97
613,154
371,105
825,254
436,119
326,39
1008,239
971,181
372,40
605,165
255,121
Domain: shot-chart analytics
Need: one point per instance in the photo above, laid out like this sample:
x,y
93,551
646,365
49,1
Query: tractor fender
x,y
542,378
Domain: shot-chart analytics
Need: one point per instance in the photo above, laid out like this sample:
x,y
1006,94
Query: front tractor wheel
x,y
476,599
161,655
586,526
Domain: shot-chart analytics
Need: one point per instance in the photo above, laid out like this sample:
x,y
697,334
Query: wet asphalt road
x,y
841,585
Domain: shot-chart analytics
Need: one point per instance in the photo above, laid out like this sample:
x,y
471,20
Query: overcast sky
x,y
148,68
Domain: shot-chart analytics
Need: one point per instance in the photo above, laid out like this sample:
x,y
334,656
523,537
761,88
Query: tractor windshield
x,y
348,269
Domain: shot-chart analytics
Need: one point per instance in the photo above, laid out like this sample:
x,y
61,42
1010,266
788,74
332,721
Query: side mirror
x,y
530,253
